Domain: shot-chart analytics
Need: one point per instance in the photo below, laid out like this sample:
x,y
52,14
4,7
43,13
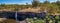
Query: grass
x,y
35,21
31,20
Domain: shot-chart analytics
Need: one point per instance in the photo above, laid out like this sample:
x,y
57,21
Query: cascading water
x,y
16,16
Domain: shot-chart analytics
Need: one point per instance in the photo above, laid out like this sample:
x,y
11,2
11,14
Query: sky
x,y
21,1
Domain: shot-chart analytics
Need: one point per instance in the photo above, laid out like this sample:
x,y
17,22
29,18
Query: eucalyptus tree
x,y
2,5
52,8
35,3
46,2
58,3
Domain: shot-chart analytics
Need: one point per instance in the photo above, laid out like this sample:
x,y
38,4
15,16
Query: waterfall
x,y
16,16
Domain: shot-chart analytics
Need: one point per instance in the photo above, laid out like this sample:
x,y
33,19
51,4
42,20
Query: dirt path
x,y
22,21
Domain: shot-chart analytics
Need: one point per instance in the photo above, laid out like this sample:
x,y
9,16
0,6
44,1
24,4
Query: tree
x,y
52,8
58,3
2,5
35,3
46,2
53,3
27,5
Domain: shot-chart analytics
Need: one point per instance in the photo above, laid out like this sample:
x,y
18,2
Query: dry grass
x,y
23,10
30,10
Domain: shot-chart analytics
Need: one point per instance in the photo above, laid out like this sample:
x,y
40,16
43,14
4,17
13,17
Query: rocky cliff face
x,y
21,15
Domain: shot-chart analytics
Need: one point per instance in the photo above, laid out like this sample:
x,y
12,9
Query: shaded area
x,y
21,15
